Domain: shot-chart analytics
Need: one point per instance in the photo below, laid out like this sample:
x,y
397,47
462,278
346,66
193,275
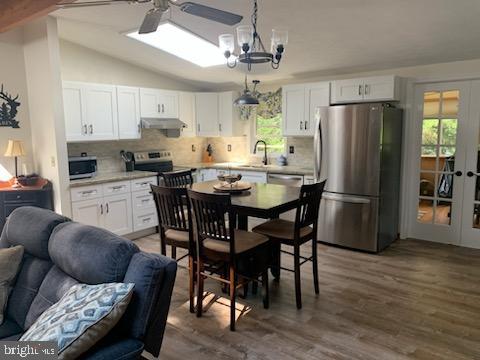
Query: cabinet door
x,y
118,214
101,112
380,88
89,212
206,113
293,108
347,91
254,176
168,101
128,101
149,105
208,174
317,95
225,114
187,113
74,111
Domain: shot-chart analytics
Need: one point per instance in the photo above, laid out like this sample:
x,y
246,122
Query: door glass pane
x,y
448,133
445,185
437,158
443,213
430,132
431,104
450,101
427,184
425,211
476,216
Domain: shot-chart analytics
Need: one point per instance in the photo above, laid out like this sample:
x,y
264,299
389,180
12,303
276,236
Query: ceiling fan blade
x,y
92,3
210,13
151,21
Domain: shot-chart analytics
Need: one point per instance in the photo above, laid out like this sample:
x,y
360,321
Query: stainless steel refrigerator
x,y
358,151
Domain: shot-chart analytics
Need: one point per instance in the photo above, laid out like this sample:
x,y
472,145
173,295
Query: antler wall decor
x,y
8,109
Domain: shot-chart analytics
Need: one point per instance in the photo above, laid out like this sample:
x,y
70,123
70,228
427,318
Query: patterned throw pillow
x,y
10,260
84,315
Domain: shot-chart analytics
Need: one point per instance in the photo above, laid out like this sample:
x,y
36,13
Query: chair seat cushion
x,y
281,229
177,238
244,241
83,316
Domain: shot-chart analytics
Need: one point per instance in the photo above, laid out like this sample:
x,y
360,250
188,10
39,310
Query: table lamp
x,y
15,149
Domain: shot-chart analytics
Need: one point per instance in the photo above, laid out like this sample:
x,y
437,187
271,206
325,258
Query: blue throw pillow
x,y
84,315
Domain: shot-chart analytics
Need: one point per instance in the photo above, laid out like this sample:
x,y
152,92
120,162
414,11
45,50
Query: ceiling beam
x,y
17,12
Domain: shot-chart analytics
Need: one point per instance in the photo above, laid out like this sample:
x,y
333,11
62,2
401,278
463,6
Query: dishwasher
x,y
287,180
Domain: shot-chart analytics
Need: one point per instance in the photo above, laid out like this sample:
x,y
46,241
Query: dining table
x,y
266,201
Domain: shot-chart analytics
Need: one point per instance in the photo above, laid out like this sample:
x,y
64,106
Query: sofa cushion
x,y
53,287
30,277
84,315
147,313
31,227
9,328
89,254
10,260
114,347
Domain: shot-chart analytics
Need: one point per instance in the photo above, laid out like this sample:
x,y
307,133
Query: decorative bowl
x,y
229,178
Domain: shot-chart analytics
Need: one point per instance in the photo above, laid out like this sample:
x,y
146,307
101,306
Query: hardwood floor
x,y
416,300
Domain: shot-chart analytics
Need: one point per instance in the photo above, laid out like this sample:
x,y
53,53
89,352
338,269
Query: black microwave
x,y
81,167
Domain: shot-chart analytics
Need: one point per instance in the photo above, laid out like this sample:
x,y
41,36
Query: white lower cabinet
x,y
122,207
207,174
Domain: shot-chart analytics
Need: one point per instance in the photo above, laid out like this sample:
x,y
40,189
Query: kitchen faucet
x,y
265,159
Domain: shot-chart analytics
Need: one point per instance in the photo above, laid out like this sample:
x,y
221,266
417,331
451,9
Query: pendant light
x,y
248,97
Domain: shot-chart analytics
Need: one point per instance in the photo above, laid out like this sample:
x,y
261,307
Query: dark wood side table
x,y
40,195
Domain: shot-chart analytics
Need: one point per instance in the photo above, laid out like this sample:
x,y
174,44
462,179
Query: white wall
x,y
12,76
79,63
42,67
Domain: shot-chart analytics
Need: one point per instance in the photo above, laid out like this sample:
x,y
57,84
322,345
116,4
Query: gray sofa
x,y
60,253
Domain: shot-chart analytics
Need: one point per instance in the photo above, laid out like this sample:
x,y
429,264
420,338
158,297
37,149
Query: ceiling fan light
x,y
245,35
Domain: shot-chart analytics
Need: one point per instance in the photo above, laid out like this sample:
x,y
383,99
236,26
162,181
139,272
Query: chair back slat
x,y
211,212
308,205
172,209
182,178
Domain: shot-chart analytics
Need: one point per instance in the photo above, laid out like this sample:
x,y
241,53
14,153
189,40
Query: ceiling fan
x,y
153,17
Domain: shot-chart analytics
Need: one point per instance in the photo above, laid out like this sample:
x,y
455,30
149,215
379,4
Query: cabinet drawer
x,y
20,197
86,193
143,184
145,219
116,188
142,200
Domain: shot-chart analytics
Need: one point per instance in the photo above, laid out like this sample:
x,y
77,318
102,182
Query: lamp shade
x,y
15,148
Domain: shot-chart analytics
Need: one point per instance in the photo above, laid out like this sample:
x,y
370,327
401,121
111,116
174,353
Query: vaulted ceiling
x,y
326,36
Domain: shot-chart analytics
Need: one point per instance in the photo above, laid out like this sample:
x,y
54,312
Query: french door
x,y
446,201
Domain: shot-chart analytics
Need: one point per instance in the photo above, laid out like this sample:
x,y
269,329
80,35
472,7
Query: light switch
x,y
53,161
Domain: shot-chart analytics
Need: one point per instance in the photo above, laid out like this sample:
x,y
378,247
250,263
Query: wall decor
x,y
8,109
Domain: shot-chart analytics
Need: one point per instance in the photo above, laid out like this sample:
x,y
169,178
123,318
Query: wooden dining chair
x,y
297,233
182,178
245,254
176,229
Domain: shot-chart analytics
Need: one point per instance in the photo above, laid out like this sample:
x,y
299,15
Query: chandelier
x,y
252,48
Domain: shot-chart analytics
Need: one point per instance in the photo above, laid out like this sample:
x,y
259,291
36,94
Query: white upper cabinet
x,y
299,104
75,126
186,112
206,113
378,88
90,112
101,113
155,103
229,123
128,100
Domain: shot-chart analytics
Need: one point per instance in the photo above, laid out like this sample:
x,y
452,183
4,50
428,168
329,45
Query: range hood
x,y
171,127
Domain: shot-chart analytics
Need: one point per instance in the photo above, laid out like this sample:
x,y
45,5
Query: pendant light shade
x,y
248,97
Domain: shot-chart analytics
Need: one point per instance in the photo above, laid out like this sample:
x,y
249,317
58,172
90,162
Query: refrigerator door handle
x,y
318,146
346,198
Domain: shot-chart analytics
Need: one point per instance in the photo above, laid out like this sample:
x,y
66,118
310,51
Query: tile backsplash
x,y
109,160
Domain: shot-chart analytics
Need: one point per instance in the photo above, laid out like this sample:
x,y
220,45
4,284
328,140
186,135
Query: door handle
x,y
360,89
367,89
347,199
163,109
85,130
91,129
108,209
220,127
458,173
101,209
281,177
198,127
471,174
318,146
306,125
301,125
158,108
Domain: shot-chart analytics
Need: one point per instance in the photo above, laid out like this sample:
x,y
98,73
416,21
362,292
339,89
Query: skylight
x,y
182,43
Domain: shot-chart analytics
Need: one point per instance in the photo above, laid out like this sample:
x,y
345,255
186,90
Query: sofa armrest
x,y
112,348
146,316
